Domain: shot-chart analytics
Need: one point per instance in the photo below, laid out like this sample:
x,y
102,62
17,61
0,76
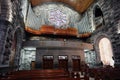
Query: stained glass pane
x,y
57,18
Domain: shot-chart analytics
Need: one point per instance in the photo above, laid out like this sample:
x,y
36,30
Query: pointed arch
x,y
16,47
98,17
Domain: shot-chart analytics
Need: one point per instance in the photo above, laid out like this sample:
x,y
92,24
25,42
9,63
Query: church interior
x,y
59,39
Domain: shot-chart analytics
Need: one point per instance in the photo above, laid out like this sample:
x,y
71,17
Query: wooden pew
x,y
113,73
43,79
82,74
105,73
37,74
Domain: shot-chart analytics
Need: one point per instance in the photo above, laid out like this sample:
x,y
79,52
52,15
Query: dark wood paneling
x,y
47,63
63,64
76,64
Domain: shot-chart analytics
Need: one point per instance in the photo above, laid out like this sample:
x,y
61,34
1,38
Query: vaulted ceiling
x,y
78,5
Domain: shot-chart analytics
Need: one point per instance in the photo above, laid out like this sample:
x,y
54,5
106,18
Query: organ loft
x,y
59,39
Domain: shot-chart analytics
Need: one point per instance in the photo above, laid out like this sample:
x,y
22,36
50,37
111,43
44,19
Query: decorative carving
x,y
46,29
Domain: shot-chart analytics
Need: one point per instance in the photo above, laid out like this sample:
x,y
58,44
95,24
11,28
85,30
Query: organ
x,y
59,39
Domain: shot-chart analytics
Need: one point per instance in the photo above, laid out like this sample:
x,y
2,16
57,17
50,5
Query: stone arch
x,y
106,53
15,47
6,50
108,12
98,17
97,47
97,9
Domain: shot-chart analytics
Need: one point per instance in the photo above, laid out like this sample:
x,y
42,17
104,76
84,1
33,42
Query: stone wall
x,y
116,35
11,31
26,57
57,52
111,14
57,48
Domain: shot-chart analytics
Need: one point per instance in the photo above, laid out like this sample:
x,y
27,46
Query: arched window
x,y
106,53
98,17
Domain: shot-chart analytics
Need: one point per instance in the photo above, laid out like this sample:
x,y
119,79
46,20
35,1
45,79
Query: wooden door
x,y
63,62
32,65
48,62
76,63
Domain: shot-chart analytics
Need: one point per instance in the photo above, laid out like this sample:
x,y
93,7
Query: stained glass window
x,y
57,18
